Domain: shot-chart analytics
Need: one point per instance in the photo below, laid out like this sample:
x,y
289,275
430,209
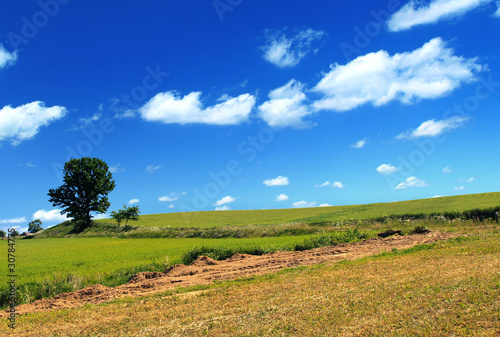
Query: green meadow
x,y
55,261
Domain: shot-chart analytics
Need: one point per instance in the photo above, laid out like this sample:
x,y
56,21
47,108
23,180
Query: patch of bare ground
x,y
206,270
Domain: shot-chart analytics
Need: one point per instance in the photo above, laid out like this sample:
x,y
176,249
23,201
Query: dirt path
x,y
205,270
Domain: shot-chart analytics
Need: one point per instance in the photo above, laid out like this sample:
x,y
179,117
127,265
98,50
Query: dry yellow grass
x,y
450,289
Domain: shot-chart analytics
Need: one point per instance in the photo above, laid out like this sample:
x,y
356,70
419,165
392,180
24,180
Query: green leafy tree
x,y
127,213
2,233
13,232
87,183
35,226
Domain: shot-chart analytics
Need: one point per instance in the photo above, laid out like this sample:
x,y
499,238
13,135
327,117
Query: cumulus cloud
x,y
359,144
50,216
281,197
283,51
447,169
459,189
224,201
24,122
411,182
133,201
152,168
223,208
13,220
287,106
378,78
6,59
278,181
434,128
304,204
167,198
169,108
414,13
387,169
325,205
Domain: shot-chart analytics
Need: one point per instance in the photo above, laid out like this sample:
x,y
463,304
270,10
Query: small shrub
x,y
419,230
389,232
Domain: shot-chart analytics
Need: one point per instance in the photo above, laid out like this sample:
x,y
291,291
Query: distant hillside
x,y
212,219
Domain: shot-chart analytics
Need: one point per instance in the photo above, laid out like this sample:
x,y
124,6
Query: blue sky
x,y
249,104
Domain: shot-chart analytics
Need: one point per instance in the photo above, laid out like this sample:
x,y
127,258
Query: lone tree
x,y
127,213
87,183
35,226
2,233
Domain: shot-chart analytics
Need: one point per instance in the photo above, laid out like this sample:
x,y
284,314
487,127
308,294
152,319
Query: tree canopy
x,y
87,183
35,226
127,213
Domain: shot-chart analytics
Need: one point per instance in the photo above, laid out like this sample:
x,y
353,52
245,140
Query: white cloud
x,y
278,181
338,184
282,197
167,199
288,52
133,201
429,72
286,106
497,13
223,208
50,216
470,180
226,200
30,164
6,58
434,128
411,182
116,169
359,144
152,168
171,206
304,204
324,205
387,169
335,184
168,108
24,122
13,220
447,169
415,13
459,189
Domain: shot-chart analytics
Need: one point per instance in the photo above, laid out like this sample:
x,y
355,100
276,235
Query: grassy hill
x,y
233,219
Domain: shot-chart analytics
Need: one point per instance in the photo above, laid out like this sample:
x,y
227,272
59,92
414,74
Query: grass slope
x,y
215,219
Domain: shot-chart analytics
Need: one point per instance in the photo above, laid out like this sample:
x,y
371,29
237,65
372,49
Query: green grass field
x,y
212,219
49,266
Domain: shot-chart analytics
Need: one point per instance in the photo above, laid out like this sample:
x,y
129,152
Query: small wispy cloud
x,y
460,188
278,181
415,13
359,144
283,51
133,201
152,168
433,128
470,180
13,220
116,169
335,184
304,204
447,169
223,208
6,58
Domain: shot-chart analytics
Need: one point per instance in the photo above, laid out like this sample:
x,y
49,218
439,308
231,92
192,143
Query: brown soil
x,y
206,270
